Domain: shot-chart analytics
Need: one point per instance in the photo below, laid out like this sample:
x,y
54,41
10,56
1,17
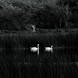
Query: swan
x,y
49,49
35,49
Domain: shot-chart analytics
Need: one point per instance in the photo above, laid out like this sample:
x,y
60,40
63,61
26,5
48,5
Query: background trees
x,y
16,15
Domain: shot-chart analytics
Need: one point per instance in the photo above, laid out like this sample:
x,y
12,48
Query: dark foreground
x,y
55,70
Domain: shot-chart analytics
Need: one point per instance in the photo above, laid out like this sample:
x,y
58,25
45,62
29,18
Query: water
x,y
62,63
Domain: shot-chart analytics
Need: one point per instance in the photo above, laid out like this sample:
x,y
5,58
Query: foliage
x,y
16,16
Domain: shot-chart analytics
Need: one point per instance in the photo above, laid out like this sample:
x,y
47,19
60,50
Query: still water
x,y
62,63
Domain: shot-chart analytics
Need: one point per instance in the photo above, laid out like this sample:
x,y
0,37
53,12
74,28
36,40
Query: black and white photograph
x,y
38,38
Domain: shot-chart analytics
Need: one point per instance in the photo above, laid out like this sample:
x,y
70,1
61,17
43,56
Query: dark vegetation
x,y
17,15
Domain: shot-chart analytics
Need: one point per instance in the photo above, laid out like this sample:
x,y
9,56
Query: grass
x,y
44,36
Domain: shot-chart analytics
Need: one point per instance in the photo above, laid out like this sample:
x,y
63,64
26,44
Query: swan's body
x,y
35,49
49,49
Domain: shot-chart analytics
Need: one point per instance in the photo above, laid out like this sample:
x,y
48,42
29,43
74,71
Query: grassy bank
x,y
23,39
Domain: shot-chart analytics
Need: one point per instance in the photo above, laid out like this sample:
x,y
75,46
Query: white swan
x,y
49,49
35,49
